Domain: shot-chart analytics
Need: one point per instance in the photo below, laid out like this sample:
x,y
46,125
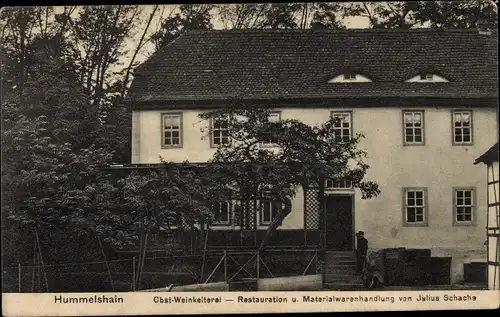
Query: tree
x,y
50,163
279,16
189,17
303,155
434,14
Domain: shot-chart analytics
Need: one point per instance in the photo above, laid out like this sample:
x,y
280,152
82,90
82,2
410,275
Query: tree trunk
x,y
277,221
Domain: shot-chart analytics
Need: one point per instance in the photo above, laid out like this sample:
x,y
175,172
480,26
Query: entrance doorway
x,y
339,232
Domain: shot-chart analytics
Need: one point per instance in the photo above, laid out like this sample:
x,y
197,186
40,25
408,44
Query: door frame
x,y
352,195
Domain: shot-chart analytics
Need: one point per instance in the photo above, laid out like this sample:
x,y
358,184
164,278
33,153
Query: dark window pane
x,y
411,195
409,138
418,131
175,134
466,138
418,138
409,132
346,132
419,202
458,138
175,141
467,193
410,214
460,217
168,134
419,218
458,123
419,194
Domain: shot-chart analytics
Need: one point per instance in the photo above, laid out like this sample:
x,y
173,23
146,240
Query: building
x,y
490,159
426,100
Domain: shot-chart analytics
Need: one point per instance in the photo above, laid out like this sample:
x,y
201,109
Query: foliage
x,y
189,17
300,155
434,14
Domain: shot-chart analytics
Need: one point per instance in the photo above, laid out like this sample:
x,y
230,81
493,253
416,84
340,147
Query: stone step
x,y
343,287
340,263
341,271
347,278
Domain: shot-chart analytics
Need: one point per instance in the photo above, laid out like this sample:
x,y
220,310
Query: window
x,y
462,127
463,206
222,213
220,133
337,184
349,76
273,117
413,127
415,207
172,130
269,210
342,128
427,78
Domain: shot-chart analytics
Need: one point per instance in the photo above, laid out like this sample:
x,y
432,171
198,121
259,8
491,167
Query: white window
x,y
342,128
413,127
464,206
222,213
462,127
172,130
273,117
427,78
269,210
337,184
415,206
220,133
349,78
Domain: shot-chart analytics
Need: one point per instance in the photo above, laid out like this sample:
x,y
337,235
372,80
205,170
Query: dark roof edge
x,y
489,101
347,30
489,156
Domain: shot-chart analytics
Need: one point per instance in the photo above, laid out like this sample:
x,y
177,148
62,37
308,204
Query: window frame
x,y
413,111
350,114
270,145
425,207
350,76
334,181
212,143
181,136
229,215
261,213
473,206
471,127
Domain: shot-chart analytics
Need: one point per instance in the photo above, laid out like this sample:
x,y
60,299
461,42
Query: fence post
x,y
133,273
258,264
225,266
19,277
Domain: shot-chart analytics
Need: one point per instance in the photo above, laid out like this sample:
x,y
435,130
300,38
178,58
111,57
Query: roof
x,y
281,64
489,156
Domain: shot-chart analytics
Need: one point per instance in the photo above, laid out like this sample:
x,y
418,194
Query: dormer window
x,y
349,77
427,78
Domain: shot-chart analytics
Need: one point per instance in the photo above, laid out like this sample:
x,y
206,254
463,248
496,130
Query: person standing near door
x,y
361,250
